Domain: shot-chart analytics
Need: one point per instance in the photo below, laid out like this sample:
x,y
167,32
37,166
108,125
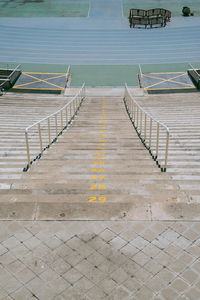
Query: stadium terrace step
x,y
81,177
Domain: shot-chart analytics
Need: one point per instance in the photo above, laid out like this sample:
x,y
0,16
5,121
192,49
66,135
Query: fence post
x,y
145,126
61,119
141,122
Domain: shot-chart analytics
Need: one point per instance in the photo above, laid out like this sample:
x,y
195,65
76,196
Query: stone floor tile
x,y
72,294
22,293
47,293
151,250
12,285
193,293
161,242
23,235
60,266
63,250
130,267
96,258
191,235
173,250
119,293
159,227
118,258
194,250
138,226
168,293
83,285
49,275
107,266
132,284
72,275
84,267
3,250
35,285
142,275
85,250
166,276
107,285
129,250
196,266
144,293
153,266
117,243
139,242
179,227
140,258
107,235
25,275
148,235
74,258
170,235
118,227
3,293
106,250
119,276
7,258
20,251
35,264
164,259
58,285
96,293
75,243
15,266
155,284
182,242
128,235
179,285
95,275
32,243
53,242
189,275
96,243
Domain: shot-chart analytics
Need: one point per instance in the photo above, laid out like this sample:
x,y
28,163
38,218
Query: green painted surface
x,y
174,6
103,75
44,8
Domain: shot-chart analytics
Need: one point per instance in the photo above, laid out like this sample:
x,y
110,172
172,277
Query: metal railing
x,y
42,134
153,133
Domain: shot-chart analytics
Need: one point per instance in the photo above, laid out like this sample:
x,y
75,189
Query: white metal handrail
x,y
149,130
46,131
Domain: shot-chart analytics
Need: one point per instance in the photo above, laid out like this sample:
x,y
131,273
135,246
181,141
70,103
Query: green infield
x,y
103,75
174,6
44,8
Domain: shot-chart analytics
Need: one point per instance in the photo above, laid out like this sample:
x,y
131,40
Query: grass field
x,y
174,6
44,8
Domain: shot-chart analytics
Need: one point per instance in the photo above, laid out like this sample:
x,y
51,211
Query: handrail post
x,y
150,133
40,136
66,116
145,126
49,131
27,149
141,122
56,123
137,116
166,151
61,119
157,141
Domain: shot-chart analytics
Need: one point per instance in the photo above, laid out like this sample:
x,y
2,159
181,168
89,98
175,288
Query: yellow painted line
x,y
39,89
41,73
165,73
177,88
164,80
42,80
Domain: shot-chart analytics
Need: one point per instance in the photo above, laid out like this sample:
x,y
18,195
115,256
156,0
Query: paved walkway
x,y
99,260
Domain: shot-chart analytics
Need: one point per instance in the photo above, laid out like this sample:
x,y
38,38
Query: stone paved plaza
x,y
85,260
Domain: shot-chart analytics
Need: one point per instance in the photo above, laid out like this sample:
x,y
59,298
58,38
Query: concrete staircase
x,y
98,170
181,113
16,113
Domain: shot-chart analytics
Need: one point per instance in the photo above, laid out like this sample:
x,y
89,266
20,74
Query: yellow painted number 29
x,y
96,199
